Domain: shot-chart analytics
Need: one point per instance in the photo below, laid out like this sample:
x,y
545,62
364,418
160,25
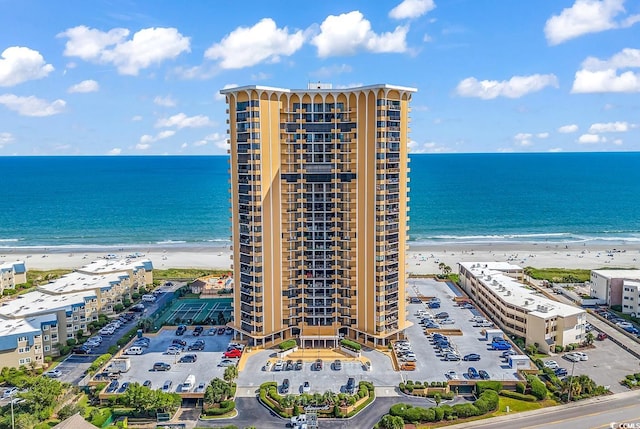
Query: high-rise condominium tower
x,y
319,212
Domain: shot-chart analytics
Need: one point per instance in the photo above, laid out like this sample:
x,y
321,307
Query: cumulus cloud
x,y
19,64
167,101
427,147
147,138
331,71
221,97
32,106
542,135
5,139
515,87
587,16
143,146
181,120
84,87
218,140
591,139
147,46
523,139
136,118
248,46
349,33
610,127
115,151
567,129
605,75
412,9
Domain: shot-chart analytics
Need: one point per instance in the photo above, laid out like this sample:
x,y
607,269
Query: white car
x,y
551,364
572,357
54,373
448,322
452,375
10,392
173,351
581,355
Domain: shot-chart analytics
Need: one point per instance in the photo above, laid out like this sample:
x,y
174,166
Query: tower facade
x,y
319,212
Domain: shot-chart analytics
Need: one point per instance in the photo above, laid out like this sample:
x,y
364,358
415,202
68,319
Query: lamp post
x,y
13,421
573,366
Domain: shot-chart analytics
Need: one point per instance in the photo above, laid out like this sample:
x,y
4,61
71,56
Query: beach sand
x,y
421,259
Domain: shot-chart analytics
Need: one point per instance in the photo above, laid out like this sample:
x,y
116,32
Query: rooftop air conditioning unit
x,y
495,282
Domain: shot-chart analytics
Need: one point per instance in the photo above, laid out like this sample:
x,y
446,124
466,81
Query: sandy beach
x,y
422,259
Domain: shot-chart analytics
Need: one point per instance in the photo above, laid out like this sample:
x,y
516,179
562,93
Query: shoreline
x,y
422,258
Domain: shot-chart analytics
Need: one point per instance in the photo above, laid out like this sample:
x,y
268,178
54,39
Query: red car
x,y
235,353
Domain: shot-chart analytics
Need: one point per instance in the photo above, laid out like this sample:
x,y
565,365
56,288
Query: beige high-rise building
x,y
319,212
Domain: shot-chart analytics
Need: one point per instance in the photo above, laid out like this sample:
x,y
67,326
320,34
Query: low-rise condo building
x,y
616,287
520,310
12,274
34,324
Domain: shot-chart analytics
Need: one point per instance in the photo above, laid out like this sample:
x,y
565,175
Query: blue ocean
x,y
455,198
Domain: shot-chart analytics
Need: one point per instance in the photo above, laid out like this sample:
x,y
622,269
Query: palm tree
x,y
589,338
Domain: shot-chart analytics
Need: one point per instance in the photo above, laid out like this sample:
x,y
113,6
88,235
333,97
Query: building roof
x,y
618,274
106,266
17,267
38,303
516,293
76,421
323,89
80,282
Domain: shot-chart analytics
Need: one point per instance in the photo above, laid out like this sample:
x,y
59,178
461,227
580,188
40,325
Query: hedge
x,y
487,402
287,345
225,407
351,345
516,395
538,388
481,386
102,359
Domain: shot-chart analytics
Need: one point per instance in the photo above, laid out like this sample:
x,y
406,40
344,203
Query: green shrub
x,y
287,345
557,349
351,345
520,388
225,407
481,386
538,388
516,395
637,376
629,377
465,410
97,364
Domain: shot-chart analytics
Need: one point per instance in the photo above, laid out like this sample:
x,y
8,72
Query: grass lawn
x,y
539,356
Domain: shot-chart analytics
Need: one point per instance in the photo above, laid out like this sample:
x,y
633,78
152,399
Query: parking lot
x,y
204,369
432,367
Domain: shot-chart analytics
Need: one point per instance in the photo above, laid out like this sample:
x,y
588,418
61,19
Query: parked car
x,y
229,362
9,392
442,315
451,357
448,322
197,345
166,387
161,366
233,354
285,386
279,366
337,365
190,358
228,331
221,330
572,357
318,364
507,353
351,385
54,373
178,342
473,373
306,387
268,366
451,375
112,387
583,356
288,366
173,351
501,346
561,372
123,388
483,374
602,336
197,331
551,364
472,357
200,388
147,383
299,365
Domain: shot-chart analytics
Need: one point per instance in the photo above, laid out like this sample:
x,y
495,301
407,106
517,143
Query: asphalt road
x,y
591,413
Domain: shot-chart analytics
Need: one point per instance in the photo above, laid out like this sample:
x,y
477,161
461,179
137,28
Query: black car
x,y
147,383
442,315
113,386
190,358
81,350
123,387
179,342
289,365
197,345
161,366
181,330
472,357
351,385
483,374
285,386
561,372
197,331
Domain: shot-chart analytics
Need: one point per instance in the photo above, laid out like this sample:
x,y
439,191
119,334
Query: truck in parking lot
x,y
121,364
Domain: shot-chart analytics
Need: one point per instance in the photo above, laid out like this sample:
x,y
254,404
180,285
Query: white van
x,y
148,298
133,350
188,383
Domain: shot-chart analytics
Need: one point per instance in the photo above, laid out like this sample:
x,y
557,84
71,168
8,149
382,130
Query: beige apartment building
x,y
496,288
12,274
319,212
617,287
34,324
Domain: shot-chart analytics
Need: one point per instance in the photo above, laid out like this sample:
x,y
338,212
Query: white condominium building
x,y
12,274
520,310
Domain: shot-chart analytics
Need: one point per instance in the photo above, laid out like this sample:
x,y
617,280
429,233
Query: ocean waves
x,y
553,237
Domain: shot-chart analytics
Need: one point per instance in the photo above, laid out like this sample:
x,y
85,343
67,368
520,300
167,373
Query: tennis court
x,y
190,311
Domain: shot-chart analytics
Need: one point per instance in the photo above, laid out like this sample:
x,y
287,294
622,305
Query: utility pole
x,y
573,366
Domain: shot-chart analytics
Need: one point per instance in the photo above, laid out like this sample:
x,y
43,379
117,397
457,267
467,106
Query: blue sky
x,y
143,77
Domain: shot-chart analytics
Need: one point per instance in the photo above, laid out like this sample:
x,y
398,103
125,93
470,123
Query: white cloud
x,y
136,118
555,150
184,146
591,139
167,101
610,127
348,33
542,135
331,71
216,139
260,76
147,138
5,139
221,97
143,146
115,151
523,139
147,46
412,9
617,142
19,64
248,46
427,147
84,87
181,120
32,106
602,75
567,129
584,17
515,87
